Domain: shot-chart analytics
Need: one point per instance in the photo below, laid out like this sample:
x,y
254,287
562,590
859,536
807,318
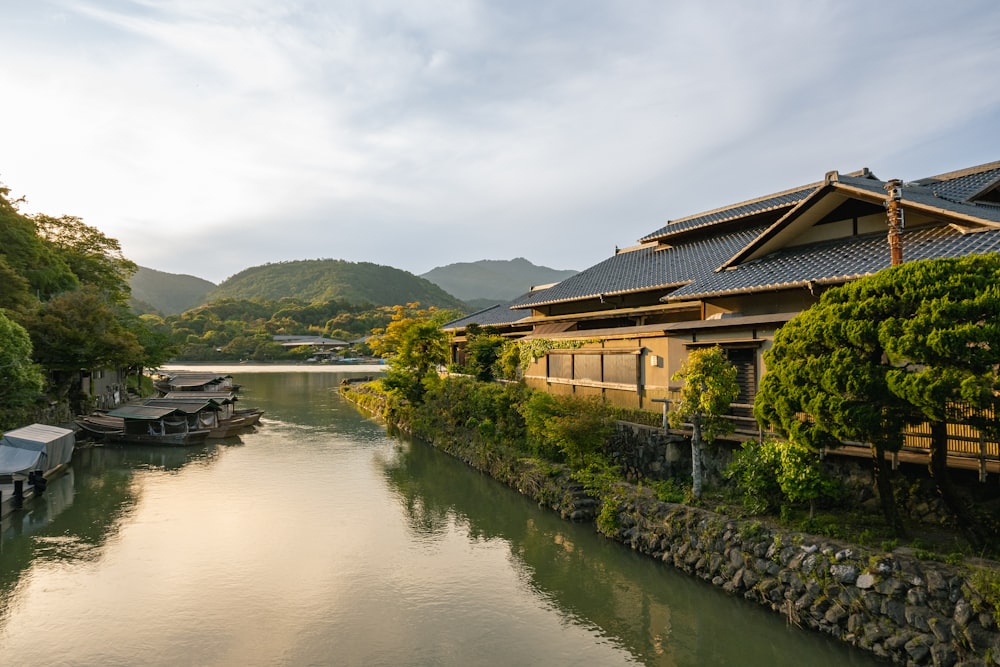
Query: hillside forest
x,y
66,307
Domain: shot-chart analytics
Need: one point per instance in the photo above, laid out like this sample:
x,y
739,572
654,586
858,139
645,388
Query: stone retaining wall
x,y
906,610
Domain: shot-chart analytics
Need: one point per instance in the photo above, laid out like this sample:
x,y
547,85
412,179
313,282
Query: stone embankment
x,y
903,609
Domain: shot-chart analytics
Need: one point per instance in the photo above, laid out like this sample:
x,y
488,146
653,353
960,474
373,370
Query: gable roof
x,y
496,315
964,185
697,264
836,261
645,268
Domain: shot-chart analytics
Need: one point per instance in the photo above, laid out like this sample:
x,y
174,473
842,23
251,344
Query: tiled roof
x,y
961,185
497,315
646,268
836,261
773,202
924,196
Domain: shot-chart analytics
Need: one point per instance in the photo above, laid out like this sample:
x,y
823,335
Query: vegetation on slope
x,y
166,293
323,280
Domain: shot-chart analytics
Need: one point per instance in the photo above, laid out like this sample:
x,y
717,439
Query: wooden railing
x,y
968,447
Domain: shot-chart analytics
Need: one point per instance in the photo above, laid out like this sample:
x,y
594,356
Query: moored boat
x,y
147,424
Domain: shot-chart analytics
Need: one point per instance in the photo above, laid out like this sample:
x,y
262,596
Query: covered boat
x,y
150,424
36,447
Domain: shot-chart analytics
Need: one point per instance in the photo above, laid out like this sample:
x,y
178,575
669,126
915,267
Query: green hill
x,y
493,281
167,293
329,279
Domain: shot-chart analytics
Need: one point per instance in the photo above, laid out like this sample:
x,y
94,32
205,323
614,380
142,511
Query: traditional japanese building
x,y
734,275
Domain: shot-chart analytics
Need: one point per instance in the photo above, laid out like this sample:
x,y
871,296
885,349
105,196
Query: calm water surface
x,y
320,540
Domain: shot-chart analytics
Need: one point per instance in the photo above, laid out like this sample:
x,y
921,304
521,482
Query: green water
x,y
320,540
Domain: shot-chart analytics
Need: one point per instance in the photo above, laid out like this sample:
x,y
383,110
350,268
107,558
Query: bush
x,y
567,429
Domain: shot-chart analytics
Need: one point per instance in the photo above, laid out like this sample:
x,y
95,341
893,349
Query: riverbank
x,y
892,604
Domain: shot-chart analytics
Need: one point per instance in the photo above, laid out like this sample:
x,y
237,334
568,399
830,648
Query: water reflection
x,y
658,615
81,511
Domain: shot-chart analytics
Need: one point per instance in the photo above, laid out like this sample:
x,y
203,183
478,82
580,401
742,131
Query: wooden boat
x,y
194,382
211,410
251,415
146,424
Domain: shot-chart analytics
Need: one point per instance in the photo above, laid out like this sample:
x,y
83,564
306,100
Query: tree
x,y
483,348
910,344
709,389
567,428
415,345
95,259
21,381
82,330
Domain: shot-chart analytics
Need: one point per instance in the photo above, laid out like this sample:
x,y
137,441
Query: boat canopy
x,y
35,447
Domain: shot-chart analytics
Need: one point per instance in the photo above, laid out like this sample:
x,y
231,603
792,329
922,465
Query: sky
x,y
210,136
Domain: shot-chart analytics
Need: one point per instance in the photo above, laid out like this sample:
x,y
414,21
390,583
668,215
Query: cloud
x,y
213,135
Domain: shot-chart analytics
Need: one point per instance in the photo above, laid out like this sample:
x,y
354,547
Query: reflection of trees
x,y
103,495
661,616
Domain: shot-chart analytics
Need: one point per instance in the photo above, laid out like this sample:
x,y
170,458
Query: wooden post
x,y
18,494
894,193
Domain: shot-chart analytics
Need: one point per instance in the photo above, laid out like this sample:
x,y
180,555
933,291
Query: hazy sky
x,y
209,136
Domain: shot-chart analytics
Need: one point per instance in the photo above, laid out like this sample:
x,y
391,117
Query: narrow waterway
x,y
320,540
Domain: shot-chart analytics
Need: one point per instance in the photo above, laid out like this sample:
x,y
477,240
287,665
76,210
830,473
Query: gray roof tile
x,y
769,203
959,186
837,261
646,268
497,315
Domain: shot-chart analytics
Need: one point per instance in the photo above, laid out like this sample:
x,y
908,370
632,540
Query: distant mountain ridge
x,y
493,281
466,286
167,293
328,279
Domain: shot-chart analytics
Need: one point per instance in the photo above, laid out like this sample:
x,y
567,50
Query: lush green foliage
x,y
484,412
567,429
709,389
483,351
164,293
83,329
913,343
94,259
21,381
909,344
754,470
415,346
322,280
232,329
67,285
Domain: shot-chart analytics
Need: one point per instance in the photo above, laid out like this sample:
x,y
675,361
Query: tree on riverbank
x,y
709,389
21,381
912,344
415,346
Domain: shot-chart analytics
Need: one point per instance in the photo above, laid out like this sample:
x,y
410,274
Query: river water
x,y
319,539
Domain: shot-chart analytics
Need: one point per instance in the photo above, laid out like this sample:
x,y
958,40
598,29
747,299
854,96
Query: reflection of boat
x,y
151,424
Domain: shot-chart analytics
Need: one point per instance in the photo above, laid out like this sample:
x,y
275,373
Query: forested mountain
x,y
321,280
493,280
167,293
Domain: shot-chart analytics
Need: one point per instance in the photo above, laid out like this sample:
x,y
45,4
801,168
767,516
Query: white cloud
x,y
213,135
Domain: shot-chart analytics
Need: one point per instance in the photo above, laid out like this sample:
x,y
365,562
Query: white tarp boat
x,y
35,447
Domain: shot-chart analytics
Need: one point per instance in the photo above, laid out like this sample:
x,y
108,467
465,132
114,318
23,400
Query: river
x,y
318,539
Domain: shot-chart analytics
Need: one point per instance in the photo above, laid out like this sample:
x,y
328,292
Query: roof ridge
x,y
861,173
958,173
